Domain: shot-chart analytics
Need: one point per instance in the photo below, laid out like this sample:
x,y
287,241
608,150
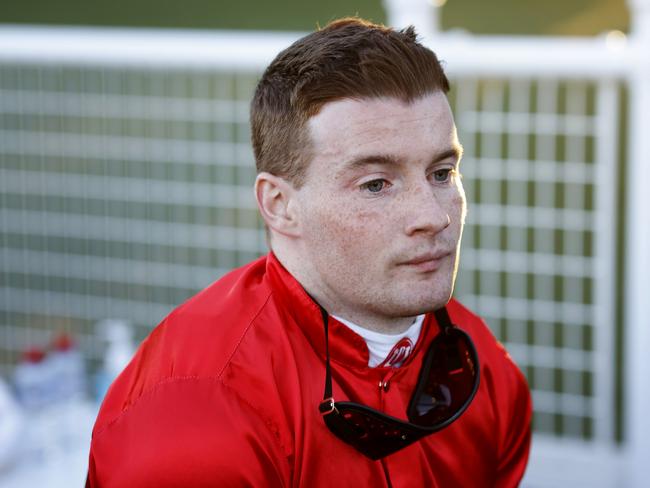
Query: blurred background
x,y
126,186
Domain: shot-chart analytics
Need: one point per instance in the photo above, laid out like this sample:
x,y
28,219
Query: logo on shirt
x,y
398,353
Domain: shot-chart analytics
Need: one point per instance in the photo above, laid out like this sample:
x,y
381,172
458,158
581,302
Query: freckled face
x,y
382,208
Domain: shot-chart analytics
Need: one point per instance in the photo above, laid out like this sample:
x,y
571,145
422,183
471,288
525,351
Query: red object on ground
x,y
63,342
33,355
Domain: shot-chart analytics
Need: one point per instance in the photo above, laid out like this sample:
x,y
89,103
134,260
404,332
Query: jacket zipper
x,y
384,383
384,386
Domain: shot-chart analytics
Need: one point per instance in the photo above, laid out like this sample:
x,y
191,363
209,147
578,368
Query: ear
x,y
275,200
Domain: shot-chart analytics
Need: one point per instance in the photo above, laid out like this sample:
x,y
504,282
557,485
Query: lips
x,y
426,262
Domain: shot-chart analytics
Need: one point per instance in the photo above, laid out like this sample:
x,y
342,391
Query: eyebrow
x,y
456,152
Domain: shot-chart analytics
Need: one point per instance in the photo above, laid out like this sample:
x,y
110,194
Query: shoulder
x,y
188,432
174,406
196,340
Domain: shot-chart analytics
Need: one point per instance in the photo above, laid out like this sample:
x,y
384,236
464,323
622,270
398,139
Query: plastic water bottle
x,y
68,369
68,376
118,335
32,380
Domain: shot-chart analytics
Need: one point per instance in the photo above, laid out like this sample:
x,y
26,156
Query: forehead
x,y
346,128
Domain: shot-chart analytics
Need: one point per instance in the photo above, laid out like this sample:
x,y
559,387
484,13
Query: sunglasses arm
x,y
327,406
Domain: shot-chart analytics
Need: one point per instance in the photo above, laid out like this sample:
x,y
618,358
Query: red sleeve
x,y
187,432
515,412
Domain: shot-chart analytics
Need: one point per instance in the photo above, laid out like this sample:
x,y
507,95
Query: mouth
x,y
426,263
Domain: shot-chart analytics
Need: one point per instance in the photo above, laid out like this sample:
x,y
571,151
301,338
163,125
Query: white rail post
x,y
637,289
423,14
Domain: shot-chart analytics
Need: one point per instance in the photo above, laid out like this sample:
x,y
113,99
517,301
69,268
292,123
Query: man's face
x,y
382,208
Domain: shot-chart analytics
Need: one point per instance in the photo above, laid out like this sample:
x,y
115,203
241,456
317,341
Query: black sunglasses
x,y
447,384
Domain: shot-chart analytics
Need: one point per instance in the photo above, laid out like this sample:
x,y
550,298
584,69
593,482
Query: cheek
x,y
346,227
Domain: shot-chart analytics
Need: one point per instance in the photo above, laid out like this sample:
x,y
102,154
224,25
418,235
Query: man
x,y
338,359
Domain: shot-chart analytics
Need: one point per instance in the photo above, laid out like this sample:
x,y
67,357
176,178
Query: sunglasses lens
x,y
370,432
371,429
448,380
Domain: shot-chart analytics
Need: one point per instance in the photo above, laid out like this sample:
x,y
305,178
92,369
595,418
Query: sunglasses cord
x,y
328,376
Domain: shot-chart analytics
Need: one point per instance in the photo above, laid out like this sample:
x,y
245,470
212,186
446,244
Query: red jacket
x,y
225,393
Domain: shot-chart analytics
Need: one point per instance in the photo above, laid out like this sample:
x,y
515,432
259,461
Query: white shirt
x,y
388,350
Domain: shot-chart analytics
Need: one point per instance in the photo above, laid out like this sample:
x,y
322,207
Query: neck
x,y
302,271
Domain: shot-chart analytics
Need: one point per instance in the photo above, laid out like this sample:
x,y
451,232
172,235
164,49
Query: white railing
x,y
141,48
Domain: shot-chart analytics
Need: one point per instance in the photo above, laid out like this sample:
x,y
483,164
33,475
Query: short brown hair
x,y
349,58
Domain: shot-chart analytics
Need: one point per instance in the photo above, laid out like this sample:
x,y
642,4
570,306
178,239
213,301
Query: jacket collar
x,y
346,346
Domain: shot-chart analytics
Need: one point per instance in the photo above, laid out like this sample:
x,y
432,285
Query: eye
x,y
374,186
442,175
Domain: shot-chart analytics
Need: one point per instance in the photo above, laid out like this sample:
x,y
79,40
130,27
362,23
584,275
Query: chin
x,y
438,298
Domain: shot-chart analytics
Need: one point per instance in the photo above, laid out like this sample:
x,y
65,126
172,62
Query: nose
x,y
424,212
